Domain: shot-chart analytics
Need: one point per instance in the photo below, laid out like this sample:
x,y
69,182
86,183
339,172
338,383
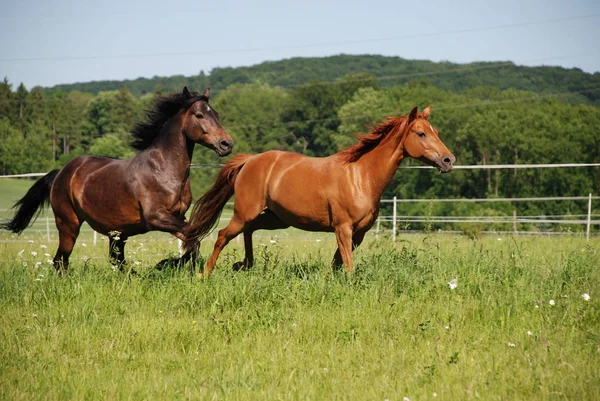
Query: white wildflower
x,y
34,253
318,240
272,241
35,315
20,252
37,264
38,279
137,263
434,394
31,241
47,255
405,399
511,345
43,246
585,296
529,333
499,239
551,302
453,283
83,244
114,267
25,264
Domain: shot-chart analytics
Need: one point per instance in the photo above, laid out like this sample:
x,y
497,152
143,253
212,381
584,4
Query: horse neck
x,y
175,146
381,163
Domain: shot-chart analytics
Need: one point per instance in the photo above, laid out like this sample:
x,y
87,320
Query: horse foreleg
x,y
191,249
116,250
166,222
343,234
357,239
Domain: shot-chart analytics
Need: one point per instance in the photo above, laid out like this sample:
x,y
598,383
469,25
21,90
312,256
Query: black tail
x,y
30,206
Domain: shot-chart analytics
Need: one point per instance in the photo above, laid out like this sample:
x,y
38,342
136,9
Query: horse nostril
x,y
226,144
447,160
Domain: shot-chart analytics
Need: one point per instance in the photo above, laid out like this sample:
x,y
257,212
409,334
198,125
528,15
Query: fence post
x,y
515,232
180,247
377,229
48,228
589,217
95,237
394,220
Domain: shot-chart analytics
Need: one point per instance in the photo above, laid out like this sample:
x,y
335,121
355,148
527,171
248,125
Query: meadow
x,y
430,316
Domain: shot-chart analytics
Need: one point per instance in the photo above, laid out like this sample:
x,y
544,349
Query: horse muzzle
x,y
445,163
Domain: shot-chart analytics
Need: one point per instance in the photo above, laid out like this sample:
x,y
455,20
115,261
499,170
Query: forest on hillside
x,y
495,115
387,71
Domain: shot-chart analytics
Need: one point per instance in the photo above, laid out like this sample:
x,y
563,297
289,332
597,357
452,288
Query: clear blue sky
x,y
64,41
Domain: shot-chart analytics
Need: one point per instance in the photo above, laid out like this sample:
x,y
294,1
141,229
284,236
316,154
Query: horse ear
x,y
206,93
427,112
412,115
186,92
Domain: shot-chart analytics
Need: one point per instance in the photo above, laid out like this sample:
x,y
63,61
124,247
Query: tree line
x,y
42,129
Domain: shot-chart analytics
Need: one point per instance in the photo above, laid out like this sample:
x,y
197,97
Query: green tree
x,y
111,145
252,115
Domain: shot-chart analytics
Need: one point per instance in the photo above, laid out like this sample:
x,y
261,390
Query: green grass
x,y
293,329
12,190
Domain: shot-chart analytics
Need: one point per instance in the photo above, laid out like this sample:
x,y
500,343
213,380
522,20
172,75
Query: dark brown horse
x,y
340,193
121,198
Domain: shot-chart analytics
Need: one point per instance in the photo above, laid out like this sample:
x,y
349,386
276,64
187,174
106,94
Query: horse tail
x,y
30,206
207,210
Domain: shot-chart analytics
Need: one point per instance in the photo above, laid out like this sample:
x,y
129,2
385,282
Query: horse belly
x,y
305,214
107,203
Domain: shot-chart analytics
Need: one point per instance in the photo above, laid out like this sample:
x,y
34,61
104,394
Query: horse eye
x,y
199,116
421,134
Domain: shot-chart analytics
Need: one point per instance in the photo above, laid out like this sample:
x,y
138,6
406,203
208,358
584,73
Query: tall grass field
x,y
428,317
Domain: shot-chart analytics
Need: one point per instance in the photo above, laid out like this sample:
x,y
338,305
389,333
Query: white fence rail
x,y
46,225
458,167
588,220
514,219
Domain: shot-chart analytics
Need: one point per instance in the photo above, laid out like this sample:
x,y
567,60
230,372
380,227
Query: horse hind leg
x,y
264,221
68,231
233,229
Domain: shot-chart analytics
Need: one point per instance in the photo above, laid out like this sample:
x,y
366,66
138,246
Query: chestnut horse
x,y
122,198
340,193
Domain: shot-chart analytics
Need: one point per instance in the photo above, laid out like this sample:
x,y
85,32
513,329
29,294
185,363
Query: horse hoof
x,y
237,266
165,263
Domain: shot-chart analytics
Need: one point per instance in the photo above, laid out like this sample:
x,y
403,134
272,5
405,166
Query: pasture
x,y
432,316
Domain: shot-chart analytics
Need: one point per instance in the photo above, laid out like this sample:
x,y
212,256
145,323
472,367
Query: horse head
x,y
201,124
422,142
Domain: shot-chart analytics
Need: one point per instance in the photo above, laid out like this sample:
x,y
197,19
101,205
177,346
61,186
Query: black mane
x,y
165,108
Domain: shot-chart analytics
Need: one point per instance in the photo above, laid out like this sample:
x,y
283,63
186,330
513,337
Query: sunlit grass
x,y
293,329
